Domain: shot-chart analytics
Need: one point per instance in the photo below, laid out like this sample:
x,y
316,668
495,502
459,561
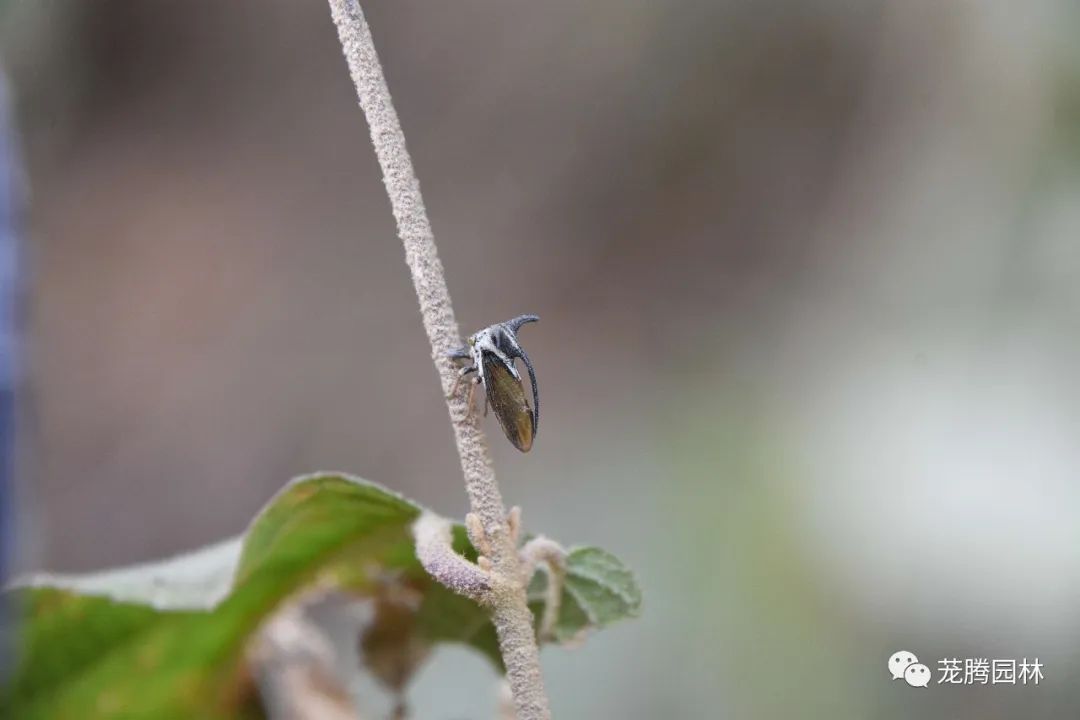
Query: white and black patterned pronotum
x,y
491,353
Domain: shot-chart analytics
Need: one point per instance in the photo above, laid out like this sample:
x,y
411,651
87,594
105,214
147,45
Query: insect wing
x,y
507,398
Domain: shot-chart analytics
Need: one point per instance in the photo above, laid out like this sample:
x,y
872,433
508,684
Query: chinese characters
x,y
984,671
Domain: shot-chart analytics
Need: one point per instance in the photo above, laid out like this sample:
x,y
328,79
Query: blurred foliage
x,y
88,655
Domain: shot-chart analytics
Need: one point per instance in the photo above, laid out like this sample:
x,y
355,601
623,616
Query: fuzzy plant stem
x,y
509,610
553,555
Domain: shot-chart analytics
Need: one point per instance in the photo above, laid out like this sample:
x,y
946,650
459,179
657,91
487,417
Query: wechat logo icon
x,y
904,665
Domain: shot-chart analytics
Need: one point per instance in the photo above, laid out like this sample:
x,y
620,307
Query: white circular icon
x,y
917,675
899,662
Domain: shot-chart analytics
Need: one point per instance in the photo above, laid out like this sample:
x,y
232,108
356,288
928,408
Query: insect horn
x,y
514,325
536,395
520,320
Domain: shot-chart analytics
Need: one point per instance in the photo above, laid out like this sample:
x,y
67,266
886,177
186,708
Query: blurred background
x,y
809,280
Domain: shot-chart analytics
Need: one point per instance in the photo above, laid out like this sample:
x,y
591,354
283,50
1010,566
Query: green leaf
x,y
598,591
447,617
167,639
101,645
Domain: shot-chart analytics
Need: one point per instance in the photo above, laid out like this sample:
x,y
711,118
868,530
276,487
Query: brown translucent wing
x,y
507,398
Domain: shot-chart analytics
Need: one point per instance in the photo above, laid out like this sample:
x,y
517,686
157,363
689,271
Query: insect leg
x,y
461,374
472,395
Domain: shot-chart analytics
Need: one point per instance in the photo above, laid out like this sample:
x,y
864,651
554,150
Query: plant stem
x,y
544,550
510,613
436,553
293,664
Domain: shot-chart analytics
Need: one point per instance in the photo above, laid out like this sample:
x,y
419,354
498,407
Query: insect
x,y
491,353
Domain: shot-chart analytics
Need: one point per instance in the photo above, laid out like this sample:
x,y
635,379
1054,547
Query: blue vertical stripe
x,y
10,282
